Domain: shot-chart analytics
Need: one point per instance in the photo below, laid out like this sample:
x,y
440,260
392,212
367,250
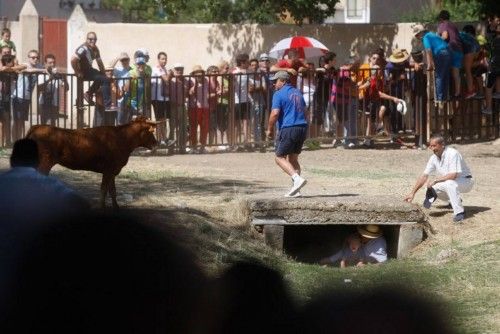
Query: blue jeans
x,y
442,64
99,80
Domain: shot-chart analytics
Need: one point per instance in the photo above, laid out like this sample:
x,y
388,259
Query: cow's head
x,y
146,132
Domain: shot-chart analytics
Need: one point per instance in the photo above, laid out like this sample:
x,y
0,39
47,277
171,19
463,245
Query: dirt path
x,y
214,183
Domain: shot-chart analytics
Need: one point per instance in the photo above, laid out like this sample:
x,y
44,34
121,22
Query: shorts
x,y
470,48
242,111
491,78
290,140
161,109
21,109
456,59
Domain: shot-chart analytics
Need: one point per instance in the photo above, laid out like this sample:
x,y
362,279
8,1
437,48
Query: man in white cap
x,y
288,109
455,177
374,243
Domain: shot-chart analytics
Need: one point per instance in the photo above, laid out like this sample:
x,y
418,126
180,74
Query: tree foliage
x,y
223,11
460,10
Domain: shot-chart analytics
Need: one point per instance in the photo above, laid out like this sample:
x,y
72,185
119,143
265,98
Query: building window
x,y
356,9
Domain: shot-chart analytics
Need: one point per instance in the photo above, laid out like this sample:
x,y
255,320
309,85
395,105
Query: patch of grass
x,y
466,286
151,176
357,173
312,144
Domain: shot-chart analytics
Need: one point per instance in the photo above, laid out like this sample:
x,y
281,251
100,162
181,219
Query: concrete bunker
x,y
309,228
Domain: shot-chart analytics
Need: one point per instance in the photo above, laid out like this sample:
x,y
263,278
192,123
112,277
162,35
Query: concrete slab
x,y
334,209
404,222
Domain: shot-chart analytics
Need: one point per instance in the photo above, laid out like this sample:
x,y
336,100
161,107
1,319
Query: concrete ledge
x,y
334,210
403,223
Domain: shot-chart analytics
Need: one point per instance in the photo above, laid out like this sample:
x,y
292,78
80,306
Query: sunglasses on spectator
x,y
34,57
92,39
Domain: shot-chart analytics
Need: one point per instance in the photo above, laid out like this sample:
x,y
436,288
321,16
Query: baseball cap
x,y
283,75
430,197
178,65
140,60
263,56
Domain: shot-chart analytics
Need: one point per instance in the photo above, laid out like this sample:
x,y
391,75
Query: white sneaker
x,y
297,194
297,184
351,145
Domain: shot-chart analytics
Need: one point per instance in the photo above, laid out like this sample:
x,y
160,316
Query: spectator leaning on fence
x,y
26,82
178,93
213,98
51,86
449,33
7,51
257,88
121,75
7,86
241,99
160,98
223,105
198,109
323,109
138,88
439,60
345,99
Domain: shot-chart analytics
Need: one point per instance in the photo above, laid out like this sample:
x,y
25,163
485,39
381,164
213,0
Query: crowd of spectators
x,y
224,104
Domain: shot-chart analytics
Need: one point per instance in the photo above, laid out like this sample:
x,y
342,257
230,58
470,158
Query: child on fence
x,y
351,253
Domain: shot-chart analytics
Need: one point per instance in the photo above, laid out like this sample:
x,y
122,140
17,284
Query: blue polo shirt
x,y
433,42
290,101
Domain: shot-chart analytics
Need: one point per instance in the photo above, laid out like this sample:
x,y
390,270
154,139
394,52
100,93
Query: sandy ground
x,y
213,183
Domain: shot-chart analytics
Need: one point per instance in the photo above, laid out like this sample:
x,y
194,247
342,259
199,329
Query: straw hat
x,y
399,56
197,69
370,231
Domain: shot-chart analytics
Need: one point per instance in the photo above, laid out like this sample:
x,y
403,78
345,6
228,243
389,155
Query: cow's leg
x,y
112,192
105,184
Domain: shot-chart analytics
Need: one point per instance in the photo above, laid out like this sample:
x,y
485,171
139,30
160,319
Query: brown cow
x,y
104,149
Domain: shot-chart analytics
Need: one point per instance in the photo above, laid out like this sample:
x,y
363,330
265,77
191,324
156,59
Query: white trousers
x,y
450,190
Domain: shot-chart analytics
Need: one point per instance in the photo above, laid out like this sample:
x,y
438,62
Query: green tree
x,y
460,10
223,11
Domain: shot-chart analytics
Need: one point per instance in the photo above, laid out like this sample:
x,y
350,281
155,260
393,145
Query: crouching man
x,y
454,177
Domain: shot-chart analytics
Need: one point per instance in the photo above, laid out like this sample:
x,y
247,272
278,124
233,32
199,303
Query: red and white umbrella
x,y
307,47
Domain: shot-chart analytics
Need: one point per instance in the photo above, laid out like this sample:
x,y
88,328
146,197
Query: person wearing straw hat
x,y
398,83
289,111
198,107
374,243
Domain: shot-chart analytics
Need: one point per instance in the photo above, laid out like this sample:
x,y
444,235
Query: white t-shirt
x,y
241,86
157,84
451,162
50,94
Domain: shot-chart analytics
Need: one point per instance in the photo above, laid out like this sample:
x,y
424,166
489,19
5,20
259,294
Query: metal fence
x,y
232,110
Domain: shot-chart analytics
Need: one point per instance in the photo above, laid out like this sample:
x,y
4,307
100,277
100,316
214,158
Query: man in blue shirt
x,y
438,59
288,109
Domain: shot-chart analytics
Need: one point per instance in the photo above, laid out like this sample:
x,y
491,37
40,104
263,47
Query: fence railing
x,y
232,110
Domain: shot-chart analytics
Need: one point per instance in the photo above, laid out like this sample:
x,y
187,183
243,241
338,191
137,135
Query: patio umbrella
x,y
307,47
